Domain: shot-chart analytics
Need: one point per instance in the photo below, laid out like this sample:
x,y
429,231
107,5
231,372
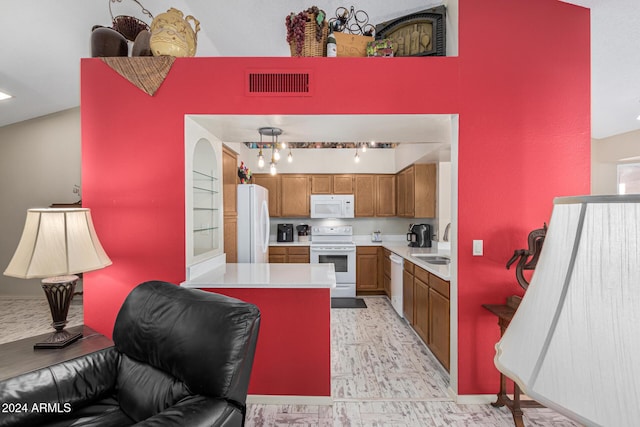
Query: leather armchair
x,y
182,357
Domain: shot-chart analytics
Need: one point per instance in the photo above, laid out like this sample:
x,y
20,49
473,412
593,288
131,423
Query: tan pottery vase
x,y
173,35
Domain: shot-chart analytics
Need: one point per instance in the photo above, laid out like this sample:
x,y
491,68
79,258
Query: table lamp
x,y
574,342
57,244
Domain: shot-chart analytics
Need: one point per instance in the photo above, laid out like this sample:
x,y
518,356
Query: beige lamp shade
x,y
57,242
574,342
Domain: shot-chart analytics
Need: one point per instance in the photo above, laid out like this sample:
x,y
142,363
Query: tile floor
x,y
382,374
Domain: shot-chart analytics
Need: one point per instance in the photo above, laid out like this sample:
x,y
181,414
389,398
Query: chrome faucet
x,y
445,236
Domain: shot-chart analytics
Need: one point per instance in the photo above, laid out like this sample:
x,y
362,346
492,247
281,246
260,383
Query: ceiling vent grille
x,y
279,83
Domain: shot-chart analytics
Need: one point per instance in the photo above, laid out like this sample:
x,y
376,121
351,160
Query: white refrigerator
x,y
253,223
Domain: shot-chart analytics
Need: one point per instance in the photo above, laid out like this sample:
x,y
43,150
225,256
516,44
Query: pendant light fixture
x,y
290,156
275,152
364,147
356,158
260,155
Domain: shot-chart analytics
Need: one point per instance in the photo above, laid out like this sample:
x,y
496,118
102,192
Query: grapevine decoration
x,y
296,24
351,21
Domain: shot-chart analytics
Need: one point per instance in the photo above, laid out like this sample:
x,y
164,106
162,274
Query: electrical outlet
x,y
477,248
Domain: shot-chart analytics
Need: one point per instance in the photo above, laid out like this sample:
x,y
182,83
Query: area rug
x,y
348,303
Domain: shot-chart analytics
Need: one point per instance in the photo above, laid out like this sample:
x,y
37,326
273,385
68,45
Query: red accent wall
x,y
294,341
524,139
520,86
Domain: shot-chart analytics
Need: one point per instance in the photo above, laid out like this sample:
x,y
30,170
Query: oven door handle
x,y
332,250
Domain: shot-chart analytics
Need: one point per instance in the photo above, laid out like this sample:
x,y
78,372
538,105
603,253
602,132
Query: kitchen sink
x,y
432,259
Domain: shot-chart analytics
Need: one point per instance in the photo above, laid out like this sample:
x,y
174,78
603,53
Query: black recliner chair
x,y
182,357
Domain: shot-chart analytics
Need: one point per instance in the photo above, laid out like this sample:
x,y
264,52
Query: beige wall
x,y
39,165
606,154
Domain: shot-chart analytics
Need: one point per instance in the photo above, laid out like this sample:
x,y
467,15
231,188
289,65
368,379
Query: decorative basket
x,y
129,26
311,46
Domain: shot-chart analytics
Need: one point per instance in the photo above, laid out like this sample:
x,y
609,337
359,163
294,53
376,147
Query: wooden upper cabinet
x,y
385,195
401,194
272,184
425,178
321,184
229,181
295,191
365,195
231,238
343,184
416,187
331,184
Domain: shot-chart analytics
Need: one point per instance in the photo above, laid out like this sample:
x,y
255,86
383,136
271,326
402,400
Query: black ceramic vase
x,y
107,42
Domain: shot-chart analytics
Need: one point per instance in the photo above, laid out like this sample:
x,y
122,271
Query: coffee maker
x,y
419,235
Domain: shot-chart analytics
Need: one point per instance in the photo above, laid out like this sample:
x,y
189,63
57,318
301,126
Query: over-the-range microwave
x,y
332,206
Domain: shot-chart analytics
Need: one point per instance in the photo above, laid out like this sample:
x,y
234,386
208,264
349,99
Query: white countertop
x,y
398,245
442,271
266,276
358,239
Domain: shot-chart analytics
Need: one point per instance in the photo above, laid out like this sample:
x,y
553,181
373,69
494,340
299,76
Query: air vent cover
x,y
279,83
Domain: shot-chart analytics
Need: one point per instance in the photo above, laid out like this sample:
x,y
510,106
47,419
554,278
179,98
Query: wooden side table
x,y
19,357
505,313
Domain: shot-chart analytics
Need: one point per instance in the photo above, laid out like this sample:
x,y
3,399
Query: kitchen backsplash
x,y
361,226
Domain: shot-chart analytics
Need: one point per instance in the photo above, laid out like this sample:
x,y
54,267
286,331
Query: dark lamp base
x,y
59,291
58,340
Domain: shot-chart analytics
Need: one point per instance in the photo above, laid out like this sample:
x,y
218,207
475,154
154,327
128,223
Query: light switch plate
x,y
477,248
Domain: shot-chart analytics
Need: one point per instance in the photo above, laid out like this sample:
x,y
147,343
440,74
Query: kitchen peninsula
x,y
295,331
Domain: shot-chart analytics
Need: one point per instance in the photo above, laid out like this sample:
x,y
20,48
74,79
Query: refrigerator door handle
x,y
264,218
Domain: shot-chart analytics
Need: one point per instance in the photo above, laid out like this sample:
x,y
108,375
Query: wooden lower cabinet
x,y
367,269
421,309
439,326
426,305
385,266
277,254
407,296
298,254
289,254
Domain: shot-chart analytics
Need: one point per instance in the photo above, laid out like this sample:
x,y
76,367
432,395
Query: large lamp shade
x,y
574,342
56,244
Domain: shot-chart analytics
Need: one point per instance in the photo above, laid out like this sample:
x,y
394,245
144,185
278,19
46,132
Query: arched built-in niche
x,y
203,197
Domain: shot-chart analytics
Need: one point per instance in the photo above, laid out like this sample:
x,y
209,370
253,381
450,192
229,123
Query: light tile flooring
x,y
382,374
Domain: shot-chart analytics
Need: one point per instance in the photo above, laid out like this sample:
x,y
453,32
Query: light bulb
x,y
272,169
276,155
283,145
260,160
364,147
357,157
290,157
373,143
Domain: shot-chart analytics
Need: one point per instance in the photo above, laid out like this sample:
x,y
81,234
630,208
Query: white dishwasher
x,y
397,265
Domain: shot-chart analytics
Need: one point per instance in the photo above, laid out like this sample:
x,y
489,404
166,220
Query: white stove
x,y
334,244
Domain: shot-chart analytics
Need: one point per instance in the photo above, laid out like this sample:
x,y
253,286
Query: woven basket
x,y
311,46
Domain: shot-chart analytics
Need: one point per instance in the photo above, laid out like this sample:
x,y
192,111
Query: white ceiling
x,y
43,41
403,128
